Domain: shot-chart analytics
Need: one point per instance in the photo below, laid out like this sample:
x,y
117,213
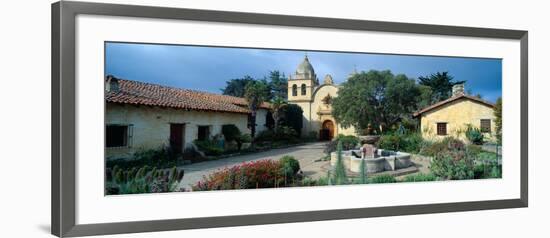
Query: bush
x,y
389,142
453,164
285,133
407,142
256,174
487,169
349,142
474,149
142,180
244,138
209,147
340,176
448,143
290,165
231,132
266,135
385,178
474,135
162,157
420,177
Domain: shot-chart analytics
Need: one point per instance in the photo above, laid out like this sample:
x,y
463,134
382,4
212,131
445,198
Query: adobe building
x,y
452,116
147,116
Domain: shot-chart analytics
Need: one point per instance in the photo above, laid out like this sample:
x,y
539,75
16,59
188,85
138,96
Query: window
x,y
303,89
118,135
294,90
442,128
204,133
485,125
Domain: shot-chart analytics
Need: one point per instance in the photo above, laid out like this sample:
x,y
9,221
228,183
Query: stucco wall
x,y
151,125
457,115
315,111
298,83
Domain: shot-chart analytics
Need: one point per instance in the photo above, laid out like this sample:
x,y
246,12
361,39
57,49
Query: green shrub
x,y
453,164
363,172
290,165
285,133
420,177
349,142
245,138
411,142
385,178
487,170
389,142
340,176
209,147
448,143
266,135
474,149
474,135
231,132
142,180
162,157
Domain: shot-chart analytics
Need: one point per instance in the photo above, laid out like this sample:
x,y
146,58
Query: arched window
x,y
294,90
303,89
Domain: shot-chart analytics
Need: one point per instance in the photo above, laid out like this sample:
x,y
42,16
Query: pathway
x,y
305,154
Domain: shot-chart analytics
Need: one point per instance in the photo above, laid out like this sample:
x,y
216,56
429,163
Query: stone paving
x,y
305,154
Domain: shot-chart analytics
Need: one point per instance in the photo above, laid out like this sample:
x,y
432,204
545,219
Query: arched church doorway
x,y
327,130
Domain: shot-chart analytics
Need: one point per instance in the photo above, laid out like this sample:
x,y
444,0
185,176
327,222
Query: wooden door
x,y
177,137
328,127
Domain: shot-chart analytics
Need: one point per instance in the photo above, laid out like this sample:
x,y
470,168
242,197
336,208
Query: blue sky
x,y
208,68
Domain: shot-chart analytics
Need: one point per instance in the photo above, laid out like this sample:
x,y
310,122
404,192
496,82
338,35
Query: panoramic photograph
x,y
185,118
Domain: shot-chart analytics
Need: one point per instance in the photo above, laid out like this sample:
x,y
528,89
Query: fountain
x,y
376,160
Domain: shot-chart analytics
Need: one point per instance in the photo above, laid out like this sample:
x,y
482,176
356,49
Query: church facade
x,y
315,99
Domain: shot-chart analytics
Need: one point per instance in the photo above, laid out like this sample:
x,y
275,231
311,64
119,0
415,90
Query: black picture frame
x,y
63,117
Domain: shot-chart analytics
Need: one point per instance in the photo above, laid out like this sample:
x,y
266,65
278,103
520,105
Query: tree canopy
x,y
376,97
256,92
236,87
276,85
441,84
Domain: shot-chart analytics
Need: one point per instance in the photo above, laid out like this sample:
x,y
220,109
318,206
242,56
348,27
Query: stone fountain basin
x,y
384,160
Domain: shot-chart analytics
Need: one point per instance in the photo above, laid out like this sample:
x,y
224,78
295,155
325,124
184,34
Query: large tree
x,y
256,93
236,87
441,84
277,106
377,97
293,117
278,84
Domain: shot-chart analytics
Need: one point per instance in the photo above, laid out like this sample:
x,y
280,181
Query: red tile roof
x,y
140,93
452,99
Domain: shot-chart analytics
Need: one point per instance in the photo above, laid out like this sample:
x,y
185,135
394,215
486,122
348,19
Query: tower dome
x,y
305,67
305,71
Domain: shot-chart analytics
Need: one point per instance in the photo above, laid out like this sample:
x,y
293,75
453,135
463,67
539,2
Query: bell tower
x,y
302,83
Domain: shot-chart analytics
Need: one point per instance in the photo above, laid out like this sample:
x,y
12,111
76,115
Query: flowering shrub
x,y
255,174
453,164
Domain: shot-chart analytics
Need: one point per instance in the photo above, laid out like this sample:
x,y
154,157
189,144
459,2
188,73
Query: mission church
x,y
315,99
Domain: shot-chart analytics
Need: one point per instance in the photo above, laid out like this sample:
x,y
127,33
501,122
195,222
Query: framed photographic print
x,y
167,118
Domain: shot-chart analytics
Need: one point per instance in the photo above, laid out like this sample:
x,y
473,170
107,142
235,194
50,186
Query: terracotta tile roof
x,y
140,93
452,99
